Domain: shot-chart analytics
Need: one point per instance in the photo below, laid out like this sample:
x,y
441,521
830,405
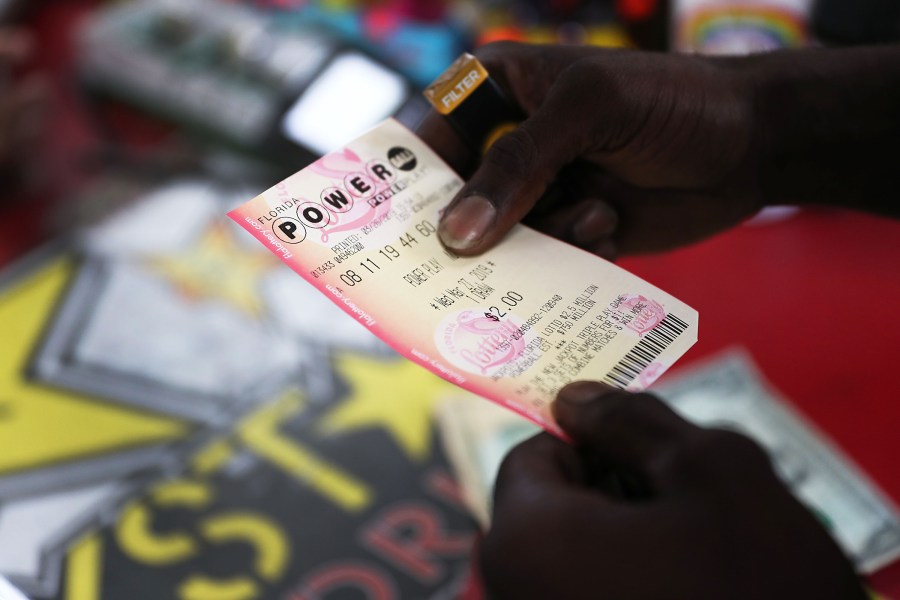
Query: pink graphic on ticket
x,y
646,314
479,343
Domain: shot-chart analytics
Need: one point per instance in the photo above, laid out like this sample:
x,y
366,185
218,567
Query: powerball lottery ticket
x,y
513,325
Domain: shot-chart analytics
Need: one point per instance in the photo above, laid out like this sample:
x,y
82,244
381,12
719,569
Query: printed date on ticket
x,y
513,325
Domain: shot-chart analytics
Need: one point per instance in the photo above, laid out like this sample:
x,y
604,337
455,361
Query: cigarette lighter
x,y
473,103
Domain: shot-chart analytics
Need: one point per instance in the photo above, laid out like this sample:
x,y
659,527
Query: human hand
x,y
713,520
651,150
23,105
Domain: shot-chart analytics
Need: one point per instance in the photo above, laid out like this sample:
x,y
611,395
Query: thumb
x,y
635,431
512,176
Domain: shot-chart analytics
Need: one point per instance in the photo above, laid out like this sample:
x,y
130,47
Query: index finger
x,y
440,136
526,72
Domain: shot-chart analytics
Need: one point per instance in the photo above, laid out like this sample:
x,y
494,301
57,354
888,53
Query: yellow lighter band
x,y
496,133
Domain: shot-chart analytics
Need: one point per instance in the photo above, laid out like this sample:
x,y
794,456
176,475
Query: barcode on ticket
x,y
645,351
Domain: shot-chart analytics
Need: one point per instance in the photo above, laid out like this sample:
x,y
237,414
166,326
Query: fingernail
x,y
595,223
582,392
467,222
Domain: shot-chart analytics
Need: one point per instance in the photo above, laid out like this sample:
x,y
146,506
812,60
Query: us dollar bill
x,y
477,436
727,392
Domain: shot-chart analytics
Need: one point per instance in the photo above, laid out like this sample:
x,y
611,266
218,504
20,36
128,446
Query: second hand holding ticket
x,y
513,325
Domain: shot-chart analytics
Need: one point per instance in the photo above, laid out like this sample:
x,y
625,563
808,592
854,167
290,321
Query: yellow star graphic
x,y
396,395
216,267
42,426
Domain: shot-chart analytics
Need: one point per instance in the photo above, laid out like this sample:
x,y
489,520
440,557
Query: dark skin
x,y
654,152
657,151
713,520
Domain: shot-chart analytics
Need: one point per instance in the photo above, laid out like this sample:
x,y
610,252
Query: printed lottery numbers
x,y
370,262
425,228
319,271
388,252
511,298
350,277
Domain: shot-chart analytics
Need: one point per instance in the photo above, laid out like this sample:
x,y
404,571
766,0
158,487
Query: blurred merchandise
x,y
9,10
183,367
590,23
227,71
26,98
109,177
724,392
31,525
8,592
735,27
134,412
739,26
417,42
477,435
856,22
421,38
63,455
647,22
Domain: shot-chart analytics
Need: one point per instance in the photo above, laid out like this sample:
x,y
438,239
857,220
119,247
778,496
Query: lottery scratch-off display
x,y
150,449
